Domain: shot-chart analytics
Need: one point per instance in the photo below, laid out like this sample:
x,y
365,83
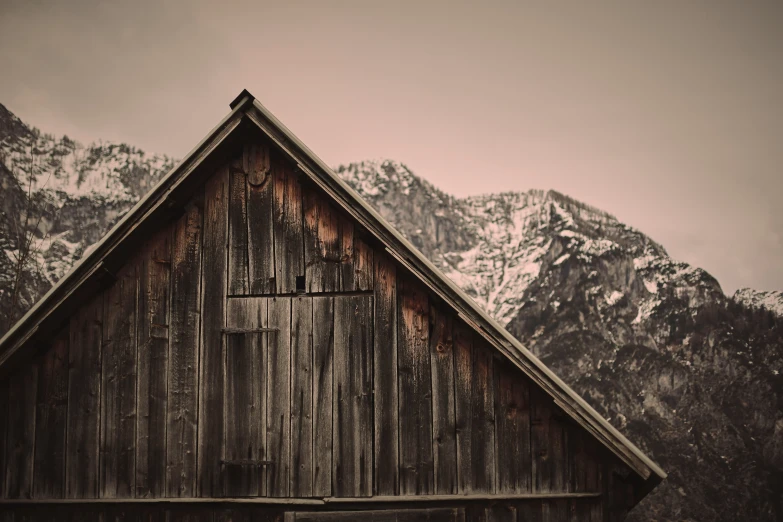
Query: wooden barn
x,y
252,341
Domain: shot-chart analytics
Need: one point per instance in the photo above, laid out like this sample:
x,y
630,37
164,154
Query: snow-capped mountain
x,y
693,377
68,193
772,301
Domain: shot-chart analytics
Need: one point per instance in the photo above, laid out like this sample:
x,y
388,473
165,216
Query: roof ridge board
x,y
588,412
20,332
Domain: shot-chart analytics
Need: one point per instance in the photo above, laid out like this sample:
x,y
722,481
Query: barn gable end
x,y
252,330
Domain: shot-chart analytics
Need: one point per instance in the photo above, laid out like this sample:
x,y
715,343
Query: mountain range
x,y
689,374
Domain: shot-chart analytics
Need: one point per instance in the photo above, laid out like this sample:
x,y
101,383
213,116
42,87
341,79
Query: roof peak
x,y
244,94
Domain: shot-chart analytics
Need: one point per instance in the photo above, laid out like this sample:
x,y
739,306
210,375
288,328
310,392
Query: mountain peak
x,y
770,300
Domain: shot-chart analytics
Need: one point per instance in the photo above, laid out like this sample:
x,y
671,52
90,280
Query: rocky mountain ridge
x,y
689,374
772,300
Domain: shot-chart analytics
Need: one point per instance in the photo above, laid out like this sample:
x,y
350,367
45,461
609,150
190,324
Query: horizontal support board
x,y
385,499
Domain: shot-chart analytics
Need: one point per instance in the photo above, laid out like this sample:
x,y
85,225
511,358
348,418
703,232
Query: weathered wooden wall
x,y
262,345
534,510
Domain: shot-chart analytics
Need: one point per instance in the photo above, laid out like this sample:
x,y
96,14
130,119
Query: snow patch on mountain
x,y
772,301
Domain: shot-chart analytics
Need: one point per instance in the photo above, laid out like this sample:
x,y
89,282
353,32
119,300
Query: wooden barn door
x,y
246,342
298,396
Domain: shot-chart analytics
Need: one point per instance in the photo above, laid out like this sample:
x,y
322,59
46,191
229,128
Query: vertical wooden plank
x,y
278,423
261,258
238,259
547,445
182,424
502,513
495,512
385,377
475,414
443,408
84,387
128,513
555,510
512,414
289,227
245,397
347,270
463,389
85,513
415,391
363,265
322,244
118,387
483,440
153,353
356,268
352,414
23,385
213,298
189,514
323,347
584,453
529,510
50,421
302,397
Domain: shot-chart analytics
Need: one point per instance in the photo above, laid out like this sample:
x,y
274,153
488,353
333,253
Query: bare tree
x,y
26,241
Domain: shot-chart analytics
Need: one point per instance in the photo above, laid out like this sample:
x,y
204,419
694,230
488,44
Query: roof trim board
x,y
245,106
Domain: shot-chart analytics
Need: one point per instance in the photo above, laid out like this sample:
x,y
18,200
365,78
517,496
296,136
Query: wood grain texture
x,y
118,387
363,266
474,412
322,245
182,423
529,511
20,437
512,414
302,397
547,444
352,404
555,511
323,351
584,452
84,390
261,254
50,421
245,398
443,407
238,258
492,512
288,227
152,361
213,297
386,407
336,259
278,421
415,391
483,419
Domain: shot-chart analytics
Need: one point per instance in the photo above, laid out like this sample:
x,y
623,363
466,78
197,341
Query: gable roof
x,y
246,110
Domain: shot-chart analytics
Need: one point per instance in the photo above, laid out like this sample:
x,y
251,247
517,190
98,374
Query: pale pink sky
x,y
667,114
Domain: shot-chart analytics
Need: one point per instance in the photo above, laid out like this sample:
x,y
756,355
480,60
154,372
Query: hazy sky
x,y
667,114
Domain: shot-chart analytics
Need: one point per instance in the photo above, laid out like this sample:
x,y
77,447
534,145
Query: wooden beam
x,y
321,501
